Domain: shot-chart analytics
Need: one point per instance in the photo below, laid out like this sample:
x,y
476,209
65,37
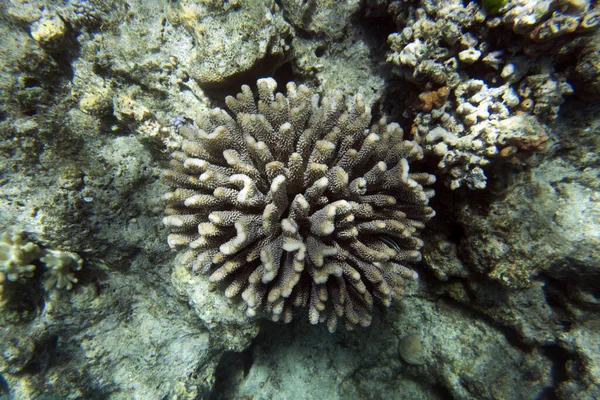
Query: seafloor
x,y
501,96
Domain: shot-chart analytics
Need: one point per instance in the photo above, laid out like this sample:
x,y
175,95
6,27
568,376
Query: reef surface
x,y
499,101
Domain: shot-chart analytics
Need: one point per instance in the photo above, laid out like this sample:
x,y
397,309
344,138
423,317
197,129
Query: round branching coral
x,y
294,201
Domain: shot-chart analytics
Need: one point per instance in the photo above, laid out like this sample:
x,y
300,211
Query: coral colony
x,y
297,201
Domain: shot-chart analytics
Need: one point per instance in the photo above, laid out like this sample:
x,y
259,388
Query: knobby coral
x,y
294,201
17,257
16,260
59,269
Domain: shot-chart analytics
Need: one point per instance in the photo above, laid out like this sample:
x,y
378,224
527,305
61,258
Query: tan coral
x,y
59,269
16,258
290,202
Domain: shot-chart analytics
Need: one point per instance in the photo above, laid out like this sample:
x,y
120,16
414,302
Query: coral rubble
x,y
476,126
495,65
299,203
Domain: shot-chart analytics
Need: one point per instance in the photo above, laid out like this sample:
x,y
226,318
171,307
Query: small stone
x,y
412,53
96,102
411,349
590,21
469,56
470,119
578,6
126,107
508,71
49,32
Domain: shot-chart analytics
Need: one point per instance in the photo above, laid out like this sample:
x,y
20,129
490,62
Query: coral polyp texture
x,y
297,201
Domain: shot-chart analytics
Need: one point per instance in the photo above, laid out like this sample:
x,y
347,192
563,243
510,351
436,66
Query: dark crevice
x,y
283,75
581,291
320,50
4,389
475,307
559,357
45,355
232,369
378,26
442,392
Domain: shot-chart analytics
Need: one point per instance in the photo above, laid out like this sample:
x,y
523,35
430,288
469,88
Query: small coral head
x,y
299,201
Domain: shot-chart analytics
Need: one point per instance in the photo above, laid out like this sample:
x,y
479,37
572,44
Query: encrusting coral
x,y
294,201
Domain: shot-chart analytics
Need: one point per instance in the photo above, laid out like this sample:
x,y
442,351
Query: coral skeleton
x,y
296,201
460,46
